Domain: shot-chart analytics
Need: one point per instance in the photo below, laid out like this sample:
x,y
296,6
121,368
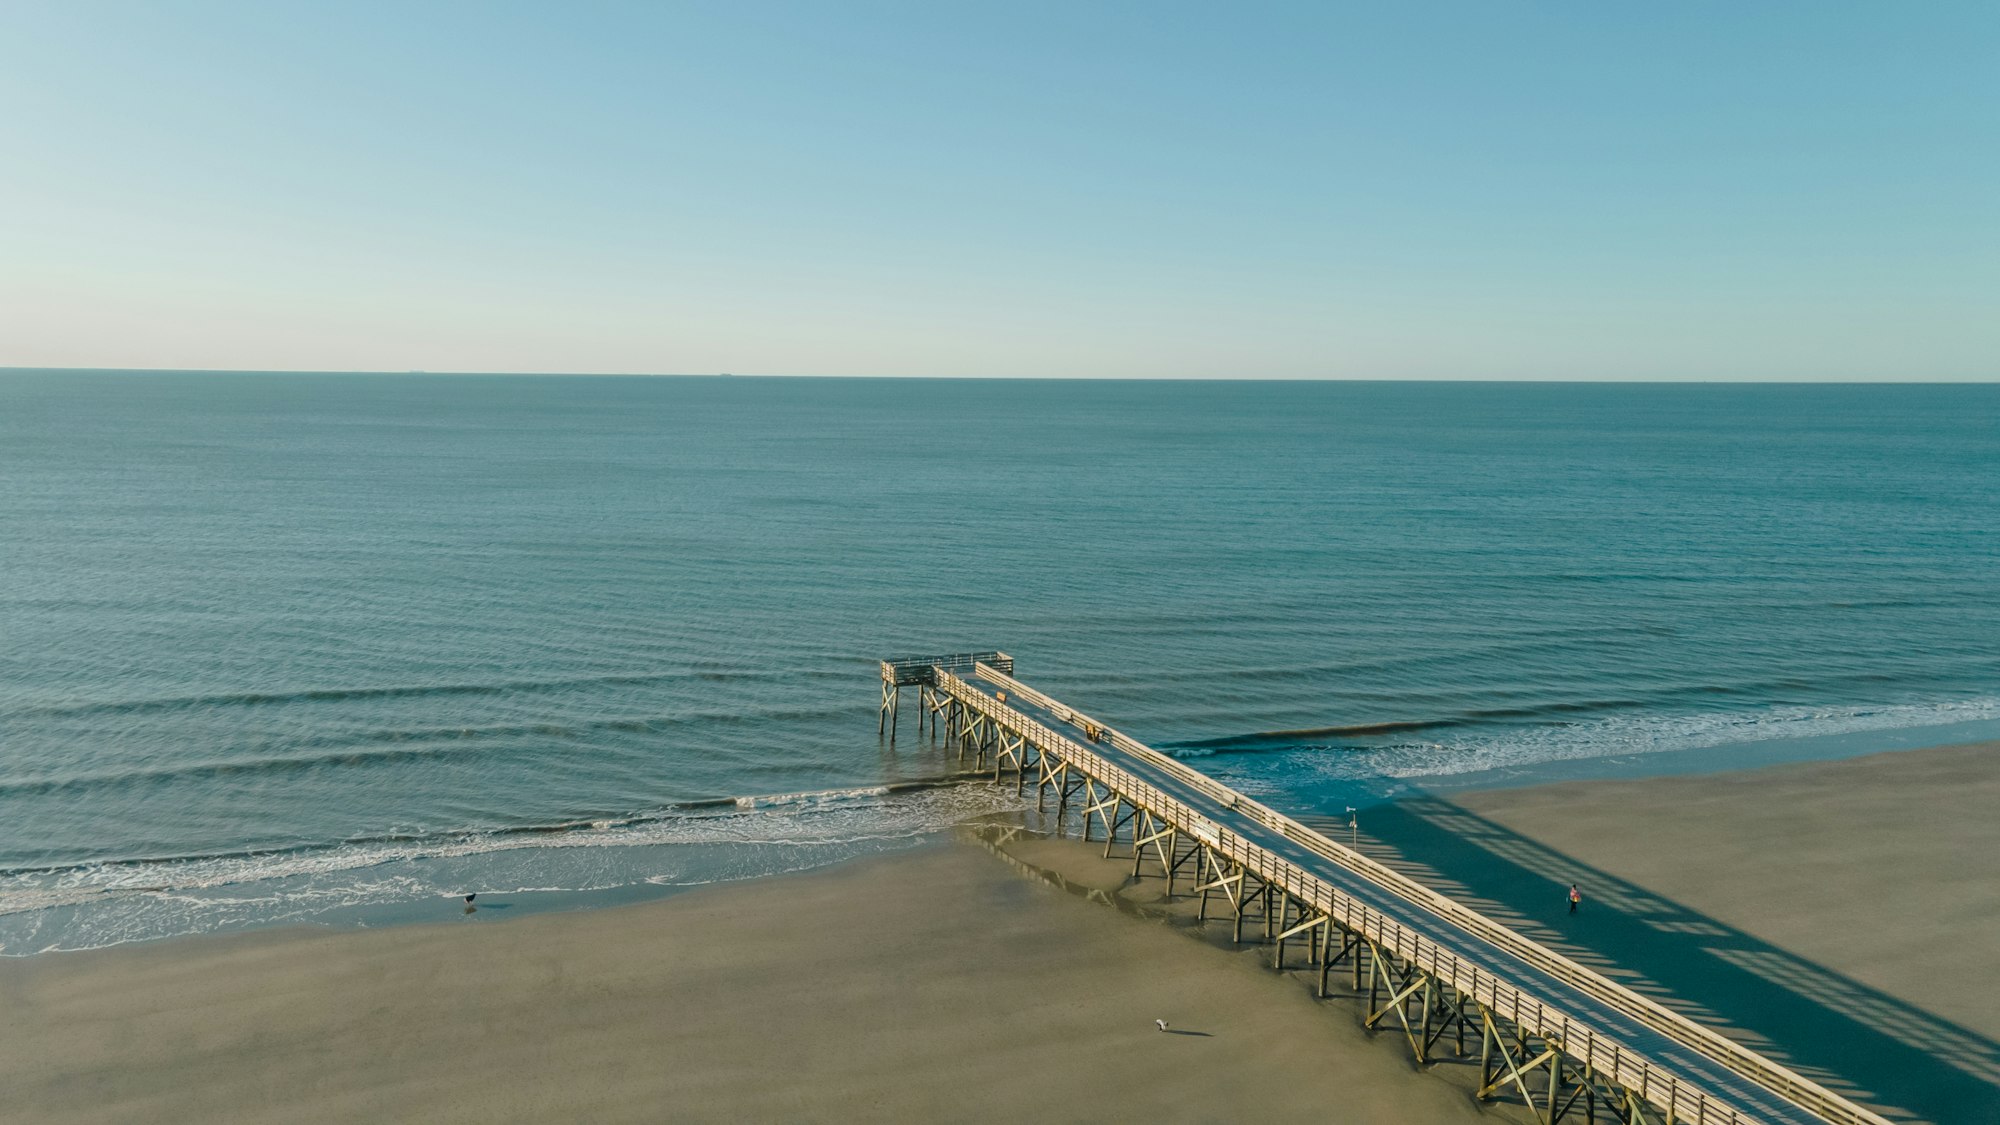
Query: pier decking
x,y
1551,1032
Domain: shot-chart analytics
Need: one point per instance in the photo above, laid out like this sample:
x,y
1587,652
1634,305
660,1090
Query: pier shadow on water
x,y
1852,1038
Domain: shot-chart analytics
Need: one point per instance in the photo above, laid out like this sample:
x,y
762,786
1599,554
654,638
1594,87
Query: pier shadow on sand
x,y
1863,1043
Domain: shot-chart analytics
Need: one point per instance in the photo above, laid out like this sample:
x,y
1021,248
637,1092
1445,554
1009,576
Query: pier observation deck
x,y
1565,1040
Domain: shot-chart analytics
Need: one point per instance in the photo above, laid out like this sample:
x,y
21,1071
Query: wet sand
x,y
931,986
1843,916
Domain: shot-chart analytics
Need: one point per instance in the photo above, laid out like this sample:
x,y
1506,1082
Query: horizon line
x,y
426,373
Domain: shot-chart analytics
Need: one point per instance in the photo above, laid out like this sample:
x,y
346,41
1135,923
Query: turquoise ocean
x,y
338,648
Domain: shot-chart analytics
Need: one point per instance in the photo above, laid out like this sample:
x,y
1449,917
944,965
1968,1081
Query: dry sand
x,y
932,986
1844,916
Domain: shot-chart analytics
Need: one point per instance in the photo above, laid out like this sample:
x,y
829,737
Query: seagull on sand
x,y
1162,1024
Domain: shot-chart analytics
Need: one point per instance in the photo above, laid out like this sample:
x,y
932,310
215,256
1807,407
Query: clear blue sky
x,y
1438,190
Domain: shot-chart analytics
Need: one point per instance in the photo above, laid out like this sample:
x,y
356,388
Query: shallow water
x,y
276,644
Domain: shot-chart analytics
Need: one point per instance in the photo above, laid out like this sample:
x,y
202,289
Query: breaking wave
x,y
96,904
1372,751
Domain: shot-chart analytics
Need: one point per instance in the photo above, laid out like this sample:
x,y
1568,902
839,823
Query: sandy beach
x,y
932,986
1837,915
1807,909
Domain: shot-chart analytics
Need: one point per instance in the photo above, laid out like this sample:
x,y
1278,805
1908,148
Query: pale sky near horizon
x,y
1446,190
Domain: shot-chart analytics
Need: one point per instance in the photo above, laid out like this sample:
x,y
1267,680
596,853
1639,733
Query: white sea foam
x,y
1471,751
817,798
109,903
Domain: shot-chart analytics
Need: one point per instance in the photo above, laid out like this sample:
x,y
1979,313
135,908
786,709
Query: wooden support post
x,y
1110,819
1278,948
1325,955
1142,824
1374,978
1555,1085
1242,900
1284,919
1583,1088
1203,868
1232,888
1516,1070
1487,1037
1423,1040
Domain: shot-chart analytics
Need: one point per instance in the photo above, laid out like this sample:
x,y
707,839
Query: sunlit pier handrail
x,y
906,670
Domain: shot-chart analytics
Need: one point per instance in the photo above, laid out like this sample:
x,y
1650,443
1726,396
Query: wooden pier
x,y
1561,1038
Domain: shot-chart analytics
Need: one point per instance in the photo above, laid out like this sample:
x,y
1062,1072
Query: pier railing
x,y
906,670
1655,1083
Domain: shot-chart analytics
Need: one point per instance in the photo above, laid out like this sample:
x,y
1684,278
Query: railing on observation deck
x,y
906,670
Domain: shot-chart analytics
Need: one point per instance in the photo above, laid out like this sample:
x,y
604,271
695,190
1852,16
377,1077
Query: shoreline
x,y
592,865
940,960
544,895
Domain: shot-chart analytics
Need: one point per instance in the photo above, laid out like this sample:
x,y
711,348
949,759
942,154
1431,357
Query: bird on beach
x,y
472,896
1162,1024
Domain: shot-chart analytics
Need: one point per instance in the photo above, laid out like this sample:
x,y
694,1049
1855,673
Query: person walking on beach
x,y
1575,898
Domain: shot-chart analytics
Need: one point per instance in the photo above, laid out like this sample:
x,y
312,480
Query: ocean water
x,y
302,647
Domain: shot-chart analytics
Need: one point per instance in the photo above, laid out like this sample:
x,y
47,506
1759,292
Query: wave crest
x,y
767,833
